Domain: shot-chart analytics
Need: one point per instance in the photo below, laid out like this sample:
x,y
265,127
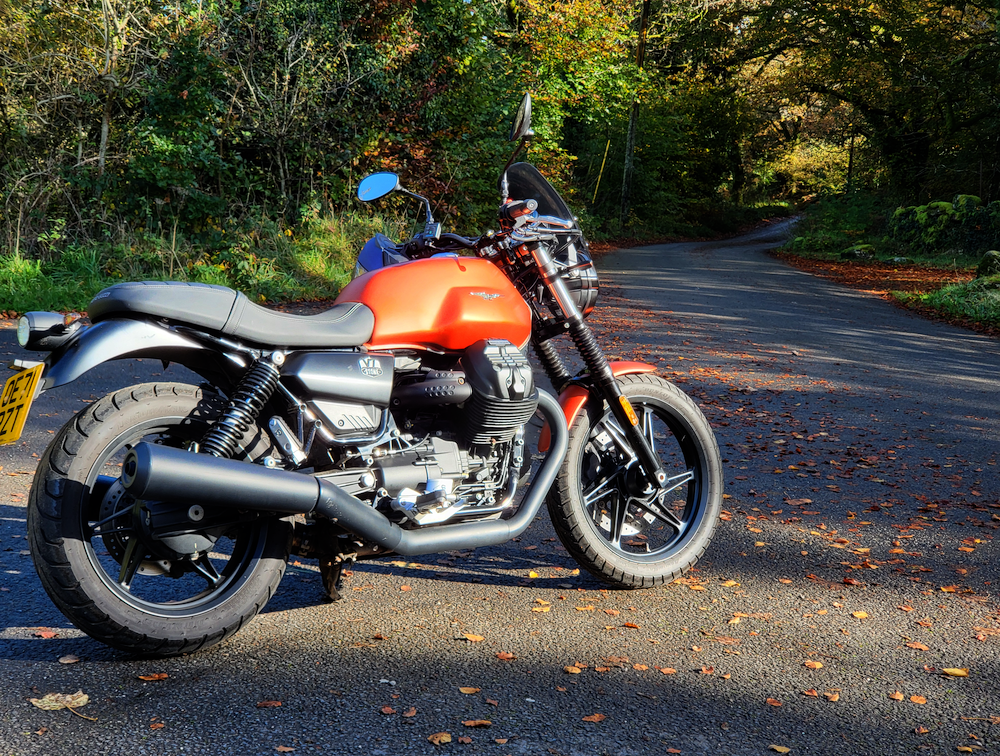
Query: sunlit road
x,y
860,446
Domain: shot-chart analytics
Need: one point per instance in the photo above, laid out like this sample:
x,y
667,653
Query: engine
x,y
458,446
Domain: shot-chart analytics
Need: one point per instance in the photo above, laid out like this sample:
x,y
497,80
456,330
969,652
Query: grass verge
x,y
266,262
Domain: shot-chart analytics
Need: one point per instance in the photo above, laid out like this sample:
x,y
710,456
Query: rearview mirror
x,y
377,185
522,121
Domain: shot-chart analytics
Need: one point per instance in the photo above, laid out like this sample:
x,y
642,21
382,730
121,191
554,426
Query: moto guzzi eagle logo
x,y
485,295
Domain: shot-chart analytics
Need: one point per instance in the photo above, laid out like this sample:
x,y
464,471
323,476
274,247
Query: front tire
x,y
607,516
117,582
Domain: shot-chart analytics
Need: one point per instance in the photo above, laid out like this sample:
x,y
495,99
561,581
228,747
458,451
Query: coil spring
x,y
245,405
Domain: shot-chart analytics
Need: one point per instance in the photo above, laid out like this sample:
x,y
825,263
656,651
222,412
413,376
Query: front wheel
x,y
151,578
617,526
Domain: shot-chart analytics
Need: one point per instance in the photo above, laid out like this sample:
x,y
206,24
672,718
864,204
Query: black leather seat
x,y
228,312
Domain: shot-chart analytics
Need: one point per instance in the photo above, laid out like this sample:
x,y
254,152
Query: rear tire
x,y
617,527
158,607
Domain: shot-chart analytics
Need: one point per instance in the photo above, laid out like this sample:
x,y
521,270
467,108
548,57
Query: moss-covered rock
x,y
858,252
989,265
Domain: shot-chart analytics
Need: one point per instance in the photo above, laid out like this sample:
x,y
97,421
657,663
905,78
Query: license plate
x,y
18,393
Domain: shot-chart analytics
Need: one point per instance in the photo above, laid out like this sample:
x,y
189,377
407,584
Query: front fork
x,y
597,364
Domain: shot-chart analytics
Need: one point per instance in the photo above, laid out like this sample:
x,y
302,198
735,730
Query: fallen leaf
x,y
439,738
612,612
707,670
918,699
494,702
588,608
411,712
640,667
405,588
949,588
283,749
851,581
832,696
964,749
595,718
505,656
859,615
468,691
896,696
500,741
668,670
44,633
696,649
464,739
786,581
811,692
955,671
602,669
730,584
477,723
533,574
157,726
774,702
472,638
734,621
69,659
631,625
387,710
918,645
779,749
540,608
56,701
905,608
726,676
156,676
268,704
571,670
921,730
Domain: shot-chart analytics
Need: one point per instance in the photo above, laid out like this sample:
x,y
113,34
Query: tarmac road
x,y
861,450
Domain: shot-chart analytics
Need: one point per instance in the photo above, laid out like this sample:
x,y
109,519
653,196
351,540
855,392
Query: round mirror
x,y
522,121
377,185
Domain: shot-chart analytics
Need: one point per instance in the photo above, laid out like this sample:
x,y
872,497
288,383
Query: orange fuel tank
x,y
441,303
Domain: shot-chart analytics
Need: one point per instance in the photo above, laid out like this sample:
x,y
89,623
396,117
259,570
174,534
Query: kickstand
x,y
331,570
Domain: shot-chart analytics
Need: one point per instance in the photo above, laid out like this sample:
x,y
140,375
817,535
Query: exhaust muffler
x,y
163,473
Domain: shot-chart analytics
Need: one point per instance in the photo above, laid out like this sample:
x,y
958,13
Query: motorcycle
x,y
162,516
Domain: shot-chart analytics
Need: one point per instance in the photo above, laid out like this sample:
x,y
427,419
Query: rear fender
x,y
575,397
113,340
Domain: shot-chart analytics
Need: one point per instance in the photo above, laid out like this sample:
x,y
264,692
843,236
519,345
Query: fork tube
x,y
597,364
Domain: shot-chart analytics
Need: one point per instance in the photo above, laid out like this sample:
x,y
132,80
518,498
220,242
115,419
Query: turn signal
x,y
632,418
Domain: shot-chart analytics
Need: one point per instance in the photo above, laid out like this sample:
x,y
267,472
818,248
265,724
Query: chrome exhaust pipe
x,y
163,473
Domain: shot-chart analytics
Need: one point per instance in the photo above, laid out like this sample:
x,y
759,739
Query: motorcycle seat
x,y
224,311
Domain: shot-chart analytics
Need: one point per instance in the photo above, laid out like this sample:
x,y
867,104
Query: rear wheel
x,y
147,577
617,526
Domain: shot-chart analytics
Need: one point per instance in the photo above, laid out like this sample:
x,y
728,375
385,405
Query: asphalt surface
x,y
861,447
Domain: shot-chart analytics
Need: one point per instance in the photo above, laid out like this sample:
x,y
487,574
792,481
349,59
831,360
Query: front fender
x,y
112,340
575,396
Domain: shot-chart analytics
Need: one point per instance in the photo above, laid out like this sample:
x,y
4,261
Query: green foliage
x,y
837,222
977,301
962,229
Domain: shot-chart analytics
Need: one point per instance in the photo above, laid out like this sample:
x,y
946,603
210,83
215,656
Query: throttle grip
x,y
517,208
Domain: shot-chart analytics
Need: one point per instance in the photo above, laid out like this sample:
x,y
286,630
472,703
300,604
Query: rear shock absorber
x,y
246,403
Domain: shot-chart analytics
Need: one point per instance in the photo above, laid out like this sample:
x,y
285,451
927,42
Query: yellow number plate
x,y
18,393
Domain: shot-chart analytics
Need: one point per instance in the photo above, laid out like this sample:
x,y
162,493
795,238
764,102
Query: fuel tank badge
x,y
485,295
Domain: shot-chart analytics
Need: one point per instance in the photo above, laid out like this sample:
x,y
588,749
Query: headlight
x,y
46,331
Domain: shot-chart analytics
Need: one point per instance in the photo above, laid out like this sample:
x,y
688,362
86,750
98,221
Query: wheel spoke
x,y
676,481
110,518
647,428
204,567
662,514
602,490
618,509
131,561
